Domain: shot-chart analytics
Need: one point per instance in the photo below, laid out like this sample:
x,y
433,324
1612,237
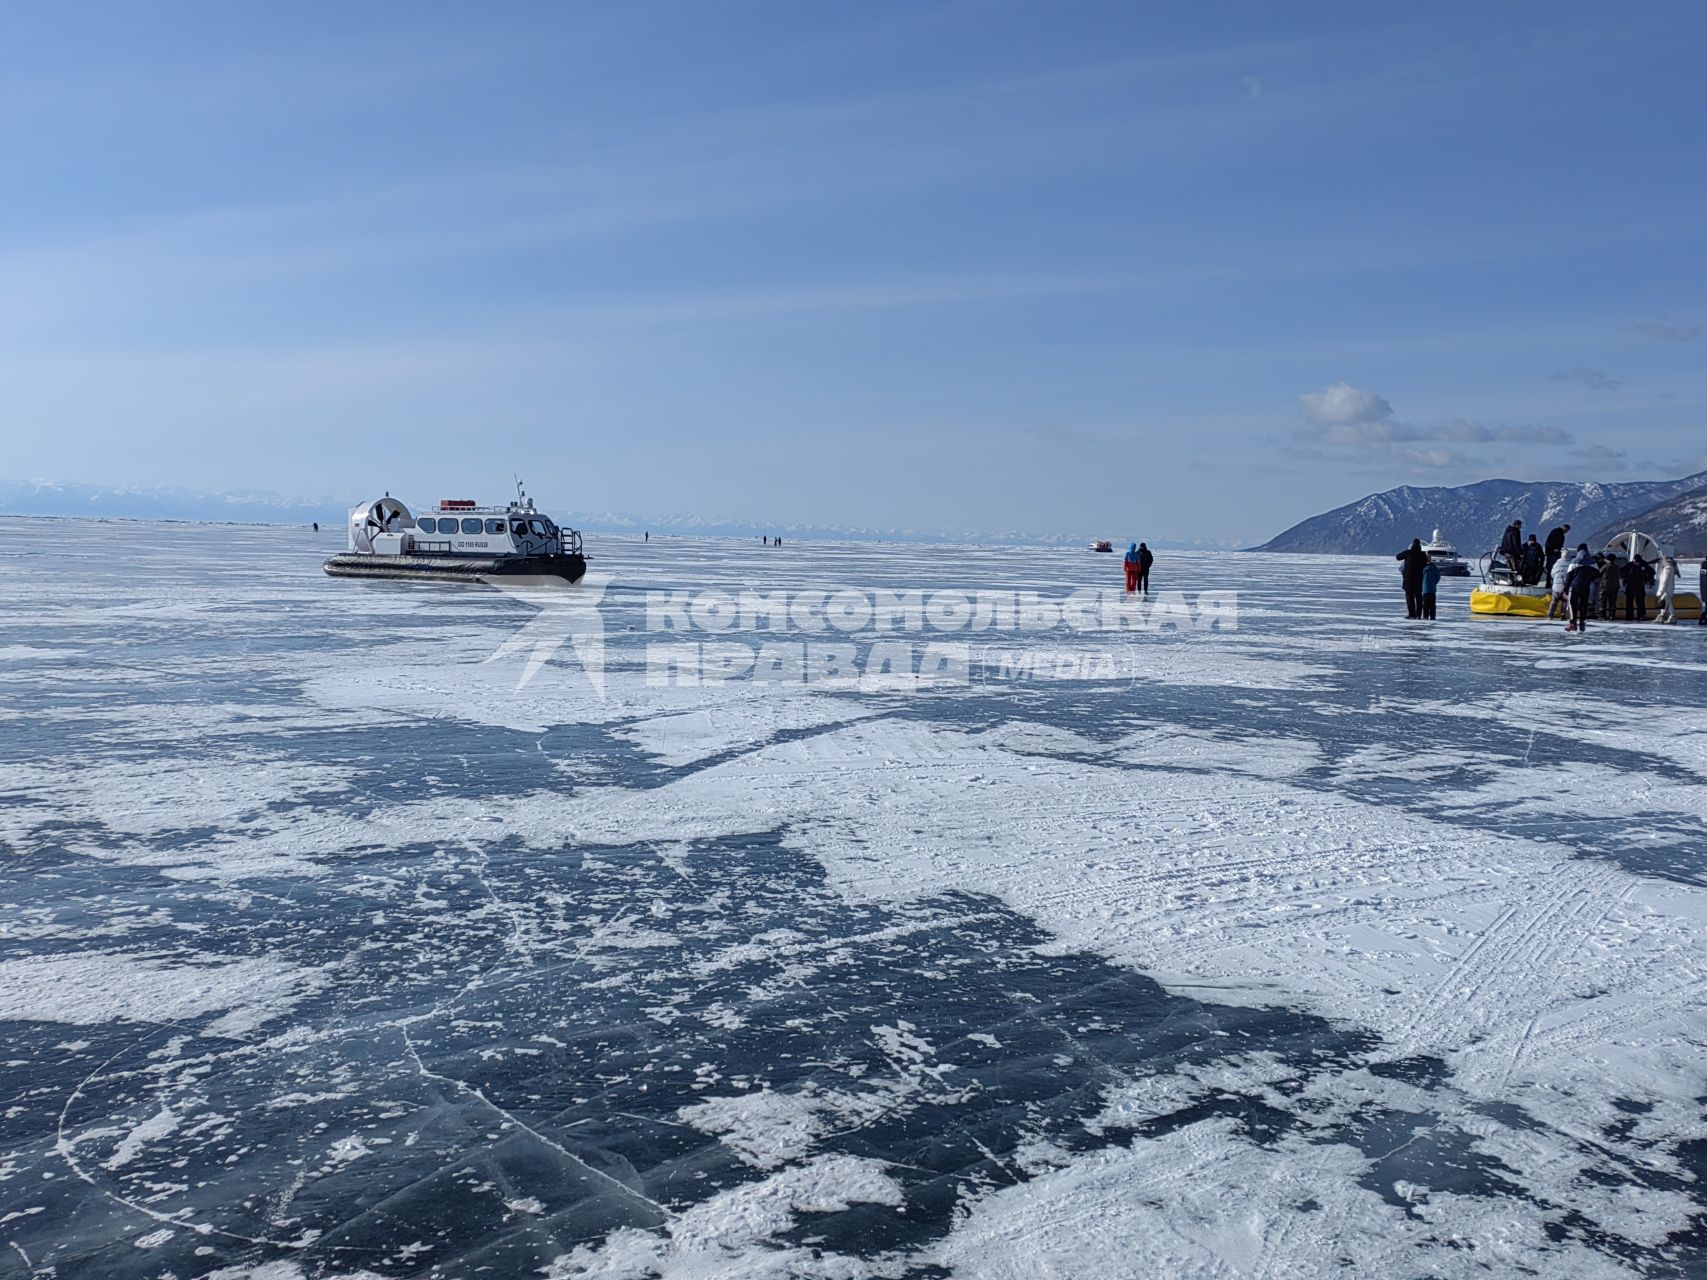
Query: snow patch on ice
x,y
731,1233
93,987
765,1129
1203,1201
162,1124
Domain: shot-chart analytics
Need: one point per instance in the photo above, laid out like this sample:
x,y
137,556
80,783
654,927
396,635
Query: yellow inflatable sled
x,y
1495,601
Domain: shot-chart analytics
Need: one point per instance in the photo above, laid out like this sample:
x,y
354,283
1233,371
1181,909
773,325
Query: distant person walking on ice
x,y
1131,564
1413,560
1145,560
1430,580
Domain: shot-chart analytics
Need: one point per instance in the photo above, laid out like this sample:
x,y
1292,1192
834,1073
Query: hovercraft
x,y
1502,592
461,541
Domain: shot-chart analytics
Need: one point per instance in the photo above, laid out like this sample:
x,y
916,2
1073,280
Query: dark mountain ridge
x,y
1679,523
1473,516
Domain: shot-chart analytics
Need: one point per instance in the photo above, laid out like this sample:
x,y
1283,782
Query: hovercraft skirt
x,y
1533,604
571,568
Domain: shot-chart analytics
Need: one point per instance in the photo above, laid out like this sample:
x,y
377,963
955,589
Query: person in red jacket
x,y
1132,568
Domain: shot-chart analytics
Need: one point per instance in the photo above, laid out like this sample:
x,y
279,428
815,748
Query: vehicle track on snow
x,y
1511,963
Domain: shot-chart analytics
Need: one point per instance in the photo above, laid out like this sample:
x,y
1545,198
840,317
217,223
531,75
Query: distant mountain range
x,y
52,498
1473,516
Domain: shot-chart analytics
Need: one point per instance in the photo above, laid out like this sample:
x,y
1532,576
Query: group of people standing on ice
x,y
1532,562
1635,577
1581,584
1138,562
1585,584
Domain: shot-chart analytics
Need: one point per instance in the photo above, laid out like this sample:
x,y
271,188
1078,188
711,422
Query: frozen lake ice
x,y
1327,945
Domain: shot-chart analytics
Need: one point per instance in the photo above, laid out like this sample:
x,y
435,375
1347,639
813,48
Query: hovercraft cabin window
x,y
472,526
495,526
427,524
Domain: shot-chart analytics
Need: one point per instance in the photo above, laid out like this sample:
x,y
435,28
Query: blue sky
x,y
1186,270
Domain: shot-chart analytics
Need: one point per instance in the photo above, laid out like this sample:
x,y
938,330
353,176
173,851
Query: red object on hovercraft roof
x,y
456,504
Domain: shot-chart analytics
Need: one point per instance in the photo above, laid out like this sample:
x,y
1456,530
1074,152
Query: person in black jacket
x,y
1637,575
1146,558
1556,545
1582,574
1413,558
1511,549
1533,562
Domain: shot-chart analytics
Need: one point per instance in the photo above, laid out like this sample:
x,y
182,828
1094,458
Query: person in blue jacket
x,y
1131,564
1430,580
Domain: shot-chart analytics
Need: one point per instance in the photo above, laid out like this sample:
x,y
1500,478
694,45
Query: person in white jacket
x,y
1556,601
1666,590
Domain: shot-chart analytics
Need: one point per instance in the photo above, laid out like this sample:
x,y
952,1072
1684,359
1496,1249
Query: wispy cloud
x,y
1427,457
1352,424
1605,460
1689,464
1593,379
1671,330
1056,434
1380,457
1468,431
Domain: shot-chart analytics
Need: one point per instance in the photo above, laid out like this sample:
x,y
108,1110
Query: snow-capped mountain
x,y
1679,523
1473,516
57,498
